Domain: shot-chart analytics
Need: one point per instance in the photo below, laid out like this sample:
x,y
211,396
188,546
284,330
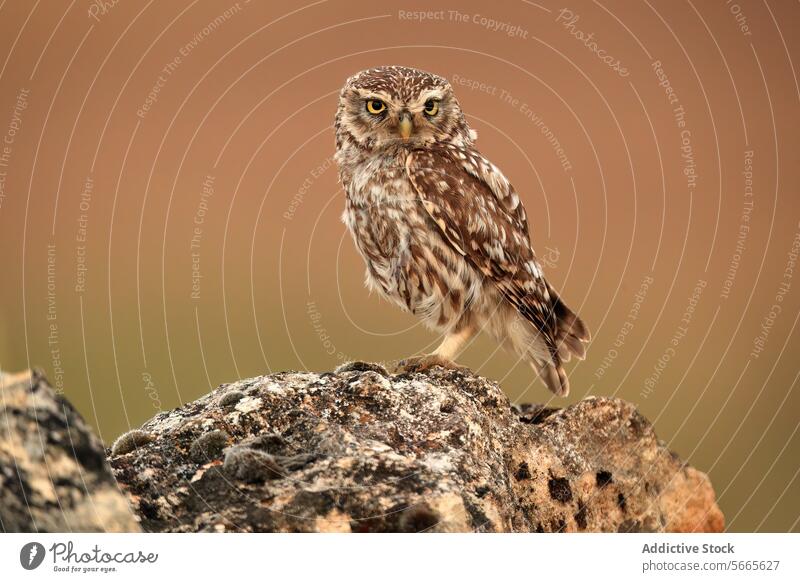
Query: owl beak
x,y
405,126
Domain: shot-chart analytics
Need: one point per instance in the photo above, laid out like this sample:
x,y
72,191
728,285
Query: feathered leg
x,y
443,355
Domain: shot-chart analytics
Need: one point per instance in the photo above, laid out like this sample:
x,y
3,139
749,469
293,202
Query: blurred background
x,y
170,212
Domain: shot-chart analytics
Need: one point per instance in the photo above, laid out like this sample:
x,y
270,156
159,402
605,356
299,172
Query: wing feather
x,y
480,215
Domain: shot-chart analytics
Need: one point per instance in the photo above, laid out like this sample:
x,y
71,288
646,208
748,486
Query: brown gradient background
x,y
252,105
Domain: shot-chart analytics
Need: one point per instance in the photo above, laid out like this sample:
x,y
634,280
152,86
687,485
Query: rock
x,y
130,441
231,398
54,476
208,446
363,450
251,465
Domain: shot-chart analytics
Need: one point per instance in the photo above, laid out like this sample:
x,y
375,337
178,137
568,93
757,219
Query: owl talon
x,y
427,362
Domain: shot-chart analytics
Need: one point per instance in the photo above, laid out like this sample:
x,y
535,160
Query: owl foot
x,y
425,363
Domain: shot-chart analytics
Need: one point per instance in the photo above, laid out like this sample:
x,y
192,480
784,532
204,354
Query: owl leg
x,y
443,355
453,342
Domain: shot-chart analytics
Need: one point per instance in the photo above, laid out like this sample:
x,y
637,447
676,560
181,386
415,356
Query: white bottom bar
x,y
387,557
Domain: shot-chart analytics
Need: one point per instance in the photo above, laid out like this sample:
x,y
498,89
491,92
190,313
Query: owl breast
x,y
407,260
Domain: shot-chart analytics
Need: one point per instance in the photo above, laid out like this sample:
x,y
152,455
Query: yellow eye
x,y
376,106
431,107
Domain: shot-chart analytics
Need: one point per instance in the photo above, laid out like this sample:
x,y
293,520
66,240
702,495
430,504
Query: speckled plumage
x,y
442,231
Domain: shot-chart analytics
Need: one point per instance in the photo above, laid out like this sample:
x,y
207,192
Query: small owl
x,y
443,233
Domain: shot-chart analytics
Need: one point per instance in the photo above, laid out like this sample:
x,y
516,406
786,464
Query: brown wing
x,y
481,216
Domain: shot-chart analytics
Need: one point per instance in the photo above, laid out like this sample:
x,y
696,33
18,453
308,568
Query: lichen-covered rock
x,y
362,450
54,476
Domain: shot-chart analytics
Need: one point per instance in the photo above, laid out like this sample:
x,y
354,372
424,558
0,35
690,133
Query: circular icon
x,y
31,555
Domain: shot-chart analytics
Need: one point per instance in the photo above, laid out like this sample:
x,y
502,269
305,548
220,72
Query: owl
x,y
443,233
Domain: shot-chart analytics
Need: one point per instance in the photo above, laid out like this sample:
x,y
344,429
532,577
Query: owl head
x,y
395,106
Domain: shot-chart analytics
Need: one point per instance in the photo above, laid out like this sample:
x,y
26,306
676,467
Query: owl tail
x,y
571,332
570,339
553,376
545,353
